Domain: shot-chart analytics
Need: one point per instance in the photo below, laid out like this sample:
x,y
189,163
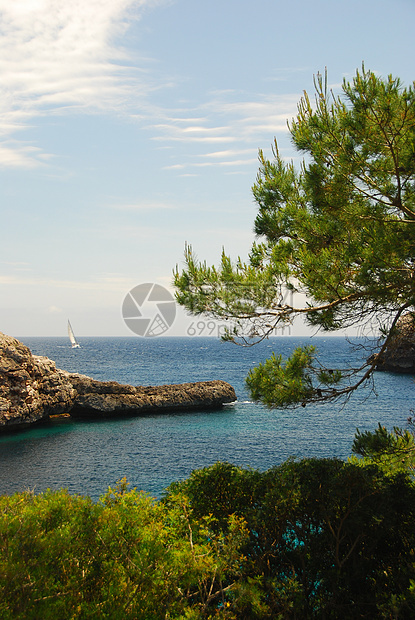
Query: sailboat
x,y
74,343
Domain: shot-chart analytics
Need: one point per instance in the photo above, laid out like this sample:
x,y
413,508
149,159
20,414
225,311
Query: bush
x,y
316,538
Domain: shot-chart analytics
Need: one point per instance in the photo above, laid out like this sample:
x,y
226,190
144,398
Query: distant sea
x,y
152,451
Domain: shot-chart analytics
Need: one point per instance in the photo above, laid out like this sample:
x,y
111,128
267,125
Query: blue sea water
x,y
154,450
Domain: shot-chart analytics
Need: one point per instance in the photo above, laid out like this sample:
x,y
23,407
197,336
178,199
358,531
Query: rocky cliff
x,y
32,389
400,353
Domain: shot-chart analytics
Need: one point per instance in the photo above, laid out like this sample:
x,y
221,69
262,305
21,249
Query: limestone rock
x,y
400,353
96,398
32,389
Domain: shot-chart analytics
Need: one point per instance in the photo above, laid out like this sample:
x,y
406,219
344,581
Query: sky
x,y
131,127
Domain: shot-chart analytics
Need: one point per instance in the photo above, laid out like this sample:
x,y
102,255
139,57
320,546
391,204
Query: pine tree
x,y
338,230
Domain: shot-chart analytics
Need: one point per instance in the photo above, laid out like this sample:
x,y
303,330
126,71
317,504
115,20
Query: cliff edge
x,y
399,355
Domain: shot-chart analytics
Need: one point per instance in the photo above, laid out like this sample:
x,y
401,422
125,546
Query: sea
x,y
152,451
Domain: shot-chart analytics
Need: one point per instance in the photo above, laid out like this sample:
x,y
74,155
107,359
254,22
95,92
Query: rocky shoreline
x,y
400,353
32,389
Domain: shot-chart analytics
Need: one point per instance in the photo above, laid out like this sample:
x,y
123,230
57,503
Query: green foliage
x,y
393,452
125,557
316,538
339,229
278,384
212,492
326,538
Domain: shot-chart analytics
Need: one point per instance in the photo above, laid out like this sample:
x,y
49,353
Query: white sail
x,y
72,338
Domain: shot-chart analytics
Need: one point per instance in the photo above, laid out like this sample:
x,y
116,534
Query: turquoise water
x,y
152,451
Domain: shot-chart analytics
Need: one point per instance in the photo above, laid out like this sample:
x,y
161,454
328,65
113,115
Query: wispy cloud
x,y
97,284
57,55
60,57
227,119
207,135
227,153
209,164
222,117
15,154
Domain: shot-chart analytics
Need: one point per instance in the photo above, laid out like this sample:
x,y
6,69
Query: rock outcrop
x,y
103,398
399,356
32,389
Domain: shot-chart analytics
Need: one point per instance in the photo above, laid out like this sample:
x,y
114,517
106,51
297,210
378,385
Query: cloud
x,y
59,57
227,118
102,283
230,120
209,164
16,155
227,153
56,56
172,132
